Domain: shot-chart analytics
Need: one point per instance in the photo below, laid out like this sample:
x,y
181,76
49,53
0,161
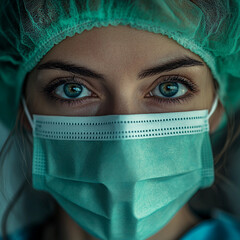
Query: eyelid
x,y
190,84
51,86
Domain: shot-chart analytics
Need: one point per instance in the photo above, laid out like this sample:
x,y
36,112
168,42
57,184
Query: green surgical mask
x,y
123,176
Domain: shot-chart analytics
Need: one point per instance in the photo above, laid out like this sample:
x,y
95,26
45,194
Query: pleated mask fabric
x,y
123,176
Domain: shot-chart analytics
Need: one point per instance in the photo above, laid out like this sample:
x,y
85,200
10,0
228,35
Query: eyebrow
x,y
83,71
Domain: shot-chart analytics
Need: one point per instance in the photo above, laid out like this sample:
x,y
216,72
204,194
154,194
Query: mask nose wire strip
x,y
214,106
27,112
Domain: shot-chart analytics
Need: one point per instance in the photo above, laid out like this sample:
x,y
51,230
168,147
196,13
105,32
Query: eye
x,y
72,91
173,89
169,90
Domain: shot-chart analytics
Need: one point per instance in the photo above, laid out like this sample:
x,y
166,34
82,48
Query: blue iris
x,y
168,89
72,90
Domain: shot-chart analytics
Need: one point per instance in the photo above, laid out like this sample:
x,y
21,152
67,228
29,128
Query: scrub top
x,y
221,227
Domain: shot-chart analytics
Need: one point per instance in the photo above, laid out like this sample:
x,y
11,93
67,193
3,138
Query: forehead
x,y
121,45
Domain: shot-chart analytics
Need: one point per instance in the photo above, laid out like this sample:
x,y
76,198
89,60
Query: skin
x,y
120,53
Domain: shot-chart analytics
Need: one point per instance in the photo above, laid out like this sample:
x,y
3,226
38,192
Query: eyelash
x,y
50,88
191,86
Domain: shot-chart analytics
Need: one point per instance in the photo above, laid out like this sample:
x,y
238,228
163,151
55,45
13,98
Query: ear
x,y
216,117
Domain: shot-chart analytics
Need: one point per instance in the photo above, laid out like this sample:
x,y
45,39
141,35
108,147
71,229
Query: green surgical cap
x,y
30,28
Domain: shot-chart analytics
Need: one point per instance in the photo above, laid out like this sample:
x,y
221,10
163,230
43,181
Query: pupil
x,y
168,89
72,90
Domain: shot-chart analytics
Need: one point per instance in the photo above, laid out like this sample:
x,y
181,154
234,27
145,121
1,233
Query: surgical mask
x,y
122,176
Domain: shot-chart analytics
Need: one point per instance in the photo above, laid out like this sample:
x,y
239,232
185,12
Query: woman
x,y
119,116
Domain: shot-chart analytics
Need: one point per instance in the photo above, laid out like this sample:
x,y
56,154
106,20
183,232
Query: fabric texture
x,y
121,176
29,29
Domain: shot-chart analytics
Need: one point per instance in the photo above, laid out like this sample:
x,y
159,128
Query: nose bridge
x,y
122,104
122,99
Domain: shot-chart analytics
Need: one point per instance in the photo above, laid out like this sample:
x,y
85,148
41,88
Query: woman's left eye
x,y
72,91
169,90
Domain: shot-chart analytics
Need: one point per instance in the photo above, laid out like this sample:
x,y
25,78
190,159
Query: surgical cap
x,y
30,28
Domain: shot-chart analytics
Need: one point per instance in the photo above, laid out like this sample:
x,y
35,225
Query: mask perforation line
x,y
175,133
121,122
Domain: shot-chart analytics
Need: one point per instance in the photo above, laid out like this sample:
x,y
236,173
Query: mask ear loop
x,y
214,107
27,112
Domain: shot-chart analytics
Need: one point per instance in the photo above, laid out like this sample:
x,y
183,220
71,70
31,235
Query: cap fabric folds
x,y
29,29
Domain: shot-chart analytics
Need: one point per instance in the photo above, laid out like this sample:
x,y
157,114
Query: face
x,y
119,70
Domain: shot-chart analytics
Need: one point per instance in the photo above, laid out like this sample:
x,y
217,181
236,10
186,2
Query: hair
x,y
19,139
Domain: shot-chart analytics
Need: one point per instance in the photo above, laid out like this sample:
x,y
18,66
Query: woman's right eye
x,y
72,91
